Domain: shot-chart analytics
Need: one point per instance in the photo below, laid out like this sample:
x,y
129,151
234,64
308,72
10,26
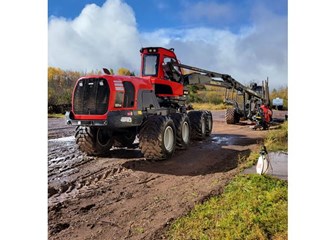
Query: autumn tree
x,y
60,85
124,72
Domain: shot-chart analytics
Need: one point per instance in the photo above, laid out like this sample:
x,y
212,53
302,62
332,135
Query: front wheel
x,y
157,138
94,141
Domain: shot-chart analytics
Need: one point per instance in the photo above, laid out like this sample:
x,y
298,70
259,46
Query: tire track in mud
x,y
82,185
58,128
65,174
105,188
72,174
64,157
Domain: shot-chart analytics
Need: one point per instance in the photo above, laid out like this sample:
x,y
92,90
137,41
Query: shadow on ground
x,y
210,156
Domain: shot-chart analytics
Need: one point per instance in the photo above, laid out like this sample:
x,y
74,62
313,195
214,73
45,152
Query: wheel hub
x,y
185,132
168,138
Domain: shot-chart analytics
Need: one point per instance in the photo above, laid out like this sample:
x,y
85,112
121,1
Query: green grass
x,y
251,207
56,115
209,106
277,139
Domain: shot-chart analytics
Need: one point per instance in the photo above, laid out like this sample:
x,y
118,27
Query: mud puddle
x,y
63,139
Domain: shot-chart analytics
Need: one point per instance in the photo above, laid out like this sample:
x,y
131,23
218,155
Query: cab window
x,y
150,65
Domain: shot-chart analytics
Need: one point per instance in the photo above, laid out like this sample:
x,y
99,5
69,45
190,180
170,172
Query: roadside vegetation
x,y
56,115
251,207
209,106
277,139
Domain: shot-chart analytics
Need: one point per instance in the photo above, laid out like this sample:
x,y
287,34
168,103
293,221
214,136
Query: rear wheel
x,y
93,141
237,117
232,116
198,124
157,138
183,130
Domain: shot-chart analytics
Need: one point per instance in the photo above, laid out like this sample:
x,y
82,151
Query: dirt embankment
x,y
124,196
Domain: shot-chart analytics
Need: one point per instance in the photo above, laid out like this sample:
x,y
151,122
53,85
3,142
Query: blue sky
x,y
246,39
155,14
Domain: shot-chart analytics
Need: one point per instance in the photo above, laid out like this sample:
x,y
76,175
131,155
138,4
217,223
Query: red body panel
x,y
177,88
139,83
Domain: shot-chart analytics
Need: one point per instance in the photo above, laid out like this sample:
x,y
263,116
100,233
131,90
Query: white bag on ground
x,y
262,164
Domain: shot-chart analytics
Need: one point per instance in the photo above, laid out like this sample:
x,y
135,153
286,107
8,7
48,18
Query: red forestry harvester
x,y
110,111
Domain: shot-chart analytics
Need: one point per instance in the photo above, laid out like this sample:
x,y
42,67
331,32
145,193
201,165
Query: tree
x,y
60,85
124,72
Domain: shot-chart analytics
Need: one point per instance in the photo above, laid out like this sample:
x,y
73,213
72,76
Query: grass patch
x,y
252,207
209,106
56,115
277,139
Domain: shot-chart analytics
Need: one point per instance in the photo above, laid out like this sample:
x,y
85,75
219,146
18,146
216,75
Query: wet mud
x,y
125,196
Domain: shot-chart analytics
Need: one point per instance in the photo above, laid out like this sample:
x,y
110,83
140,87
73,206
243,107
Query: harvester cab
x,y
157,65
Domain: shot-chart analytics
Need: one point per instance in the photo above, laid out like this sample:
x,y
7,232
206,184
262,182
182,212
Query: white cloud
x,y
107,36
99,37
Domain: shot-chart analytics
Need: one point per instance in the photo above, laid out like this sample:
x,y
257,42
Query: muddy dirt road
x,y
124,196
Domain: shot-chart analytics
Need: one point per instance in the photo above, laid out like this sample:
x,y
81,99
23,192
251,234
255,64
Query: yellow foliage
x,y
54,72
124,72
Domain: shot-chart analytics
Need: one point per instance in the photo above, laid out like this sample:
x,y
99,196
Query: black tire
x,y
157,138
236,117
183,130
93,141
125,139
230,116
198,124
209,123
